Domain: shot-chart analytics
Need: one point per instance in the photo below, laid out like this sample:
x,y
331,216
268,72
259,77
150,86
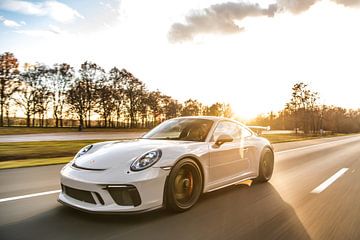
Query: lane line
x,y
316,145
329,181
28,196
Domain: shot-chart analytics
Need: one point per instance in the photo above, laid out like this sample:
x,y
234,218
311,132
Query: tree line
x,y
303,113
59,95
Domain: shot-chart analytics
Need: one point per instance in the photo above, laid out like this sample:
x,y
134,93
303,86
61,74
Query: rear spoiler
x,y
259,129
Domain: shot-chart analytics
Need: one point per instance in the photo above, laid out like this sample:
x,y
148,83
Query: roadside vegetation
x,y
280,138
34,162
303,113
38,150
61,96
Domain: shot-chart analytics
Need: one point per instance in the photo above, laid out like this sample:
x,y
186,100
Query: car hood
x,y
120,154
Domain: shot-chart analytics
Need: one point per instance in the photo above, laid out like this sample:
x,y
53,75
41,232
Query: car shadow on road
x,y
256,212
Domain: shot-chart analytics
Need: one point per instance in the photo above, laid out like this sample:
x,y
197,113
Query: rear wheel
x,y
184,185
266,166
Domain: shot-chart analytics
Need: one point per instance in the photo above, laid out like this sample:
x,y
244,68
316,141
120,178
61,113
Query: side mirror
x,y
223,138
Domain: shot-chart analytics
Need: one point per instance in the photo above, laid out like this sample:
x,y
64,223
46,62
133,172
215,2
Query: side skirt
x,y
242,181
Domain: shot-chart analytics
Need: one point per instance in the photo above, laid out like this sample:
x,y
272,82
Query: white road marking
x,y
317,145
329,181
28,196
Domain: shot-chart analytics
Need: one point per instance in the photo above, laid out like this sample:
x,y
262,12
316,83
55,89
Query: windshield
x,y
181,129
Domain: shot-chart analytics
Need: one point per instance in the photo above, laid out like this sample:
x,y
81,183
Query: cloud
x,y
218,18
10,23
348,3
58,11
222,18
295,6
107,5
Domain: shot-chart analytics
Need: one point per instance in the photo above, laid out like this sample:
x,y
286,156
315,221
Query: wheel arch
x,y
198,163
266,146
265,149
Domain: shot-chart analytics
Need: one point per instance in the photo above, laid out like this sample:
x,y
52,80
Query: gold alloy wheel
x,y
184,184
268,165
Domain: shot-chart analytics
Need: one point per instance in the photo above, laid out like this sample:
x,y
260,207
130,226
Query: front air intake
x,y
81,195
125,195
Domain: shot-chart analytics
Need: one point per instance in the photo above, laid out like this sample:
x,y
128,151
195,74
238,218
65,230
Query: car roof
x,y
216,120
213,118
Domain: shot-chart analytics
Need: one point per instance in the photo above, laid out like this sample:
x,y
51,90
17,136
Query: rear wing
x,y
259,129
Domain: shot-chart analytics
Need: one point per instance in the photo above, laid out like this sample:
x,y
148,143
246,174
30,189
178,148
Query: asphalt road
x,y
314,194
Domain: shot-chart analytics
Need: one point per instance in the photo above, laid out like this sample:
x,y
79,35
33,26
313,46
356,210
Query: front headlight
x,y
146,160
83,151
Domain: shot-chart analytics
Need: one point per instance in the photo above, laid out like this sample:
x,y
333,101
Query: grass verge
x,y
27,154
33,162
38,150
279,138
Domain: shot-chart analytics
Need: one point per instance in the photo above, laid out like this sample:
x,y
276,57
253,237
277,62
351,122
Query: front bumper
x,y
110,191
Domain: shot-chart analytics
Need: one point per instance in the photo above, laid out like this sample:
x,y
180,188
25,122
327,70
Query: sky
x,y
246,53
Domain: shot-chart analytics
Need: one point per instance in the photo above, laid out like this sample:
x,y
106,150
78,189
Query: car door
x,y
230,160
248,146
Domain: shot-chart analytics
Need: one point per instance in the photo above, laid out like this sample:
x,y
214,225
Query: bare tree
x,y
172,108
218,109
105,100
61,76
155,102
90,73
42,94
227,111
133,90
303,100
76,98
32,92
115,77
8,81
191,108
144,109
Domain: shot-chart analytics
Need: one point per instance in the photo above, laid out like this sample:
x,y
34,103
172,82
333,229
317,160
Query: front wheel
x,y
184,185
266,166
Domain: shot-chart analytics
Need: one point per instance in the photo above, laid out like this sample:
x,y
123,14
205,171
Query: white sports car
x,y
170,166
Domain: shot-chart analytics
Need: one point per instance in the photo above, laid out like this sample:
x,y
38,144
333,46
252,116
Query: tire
x,y
184,185
266,166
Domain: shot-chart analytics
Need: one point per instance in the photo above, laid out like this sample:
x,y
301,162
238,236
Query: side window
x,y
228,128
245,133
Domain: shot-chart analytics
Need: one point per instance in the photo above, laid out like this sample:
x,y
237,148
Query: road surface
x,y
314,194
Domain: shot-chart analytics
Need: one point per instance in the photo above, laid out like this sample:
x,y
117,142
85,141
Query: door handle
x,y
245,149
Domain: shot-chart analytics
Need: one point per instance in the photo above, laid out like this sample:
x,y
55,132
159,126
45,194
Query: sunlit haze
x,y
253,69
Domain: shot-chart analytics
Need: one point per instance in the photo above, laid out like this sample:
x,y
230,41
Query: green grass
x,y
38,150
32,130
33,162
279,138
